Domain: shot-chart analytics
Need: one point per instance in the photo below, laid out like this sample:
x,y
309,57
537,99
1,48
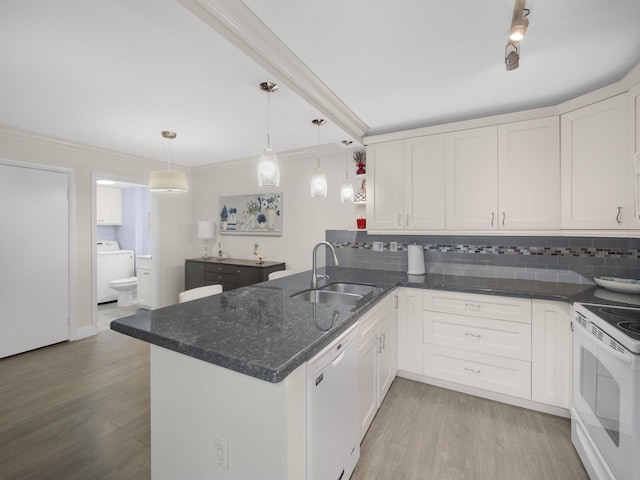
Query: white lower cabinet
x,y
551,353
489,372
410,327
378,359
511,346
144,281
481,341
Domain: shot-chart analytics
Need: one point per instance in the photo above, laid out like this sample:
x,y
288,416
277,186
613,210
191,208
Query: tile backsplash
x,y
565,259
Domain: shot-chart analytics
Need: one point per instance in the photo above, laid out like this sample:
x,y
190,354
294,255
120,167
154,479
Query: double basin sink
x,y
338,293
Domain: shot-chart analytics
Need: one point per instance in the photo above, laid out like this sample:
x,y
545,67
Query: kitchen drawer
x,y
496,374
487,306
221,268
220,277
481,335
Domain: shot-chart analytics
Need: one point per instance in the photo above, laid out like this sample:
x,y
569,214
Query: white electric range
x,y
605,416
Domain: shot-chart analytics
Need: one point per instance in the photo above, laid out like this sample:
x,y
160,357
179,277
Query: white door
x,y
34,278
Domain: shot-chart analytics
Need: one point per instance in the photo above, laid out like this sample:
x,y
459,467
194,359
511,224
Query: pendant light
x,y
319,180
268,169
347,194
166,180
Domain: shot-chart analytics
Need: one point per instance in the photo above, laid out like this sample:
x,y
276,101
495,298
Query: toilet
x,y
126,288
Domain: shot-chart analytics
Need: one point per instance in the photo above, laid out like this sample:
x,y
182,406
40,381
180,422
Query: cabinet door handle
x,y
504,215
407,219
400,220
493,215
379,345
384,341
619,215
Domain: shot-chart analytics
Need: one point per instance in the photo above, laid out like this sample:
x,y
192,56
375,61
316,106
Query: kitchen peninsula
x,y
230,369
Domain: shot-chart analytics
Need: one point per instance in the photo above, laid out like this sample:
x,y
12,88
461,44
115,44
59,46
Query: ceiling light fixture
x,y
268,169
520,22
166,180
512,56
347,194
319,180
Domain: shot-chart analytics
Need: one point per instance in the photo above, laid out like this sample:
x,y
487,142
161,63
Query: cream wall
x,y
173,213
305,219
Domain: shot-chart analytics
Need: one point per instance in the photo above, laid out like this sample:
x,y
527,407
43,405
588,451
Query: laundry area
x,y
123,250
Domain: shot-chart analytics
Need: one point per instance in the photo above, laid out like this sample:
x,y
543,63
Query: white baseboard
x,y
84,332
478,392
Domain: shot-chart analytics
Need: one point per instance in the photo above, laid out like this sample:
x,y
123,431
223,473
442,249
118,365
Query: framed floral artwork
x,y
256,214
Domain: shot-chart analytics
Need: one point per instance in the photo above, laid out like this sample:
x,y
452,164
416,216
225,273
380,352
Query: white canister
x,y
416,260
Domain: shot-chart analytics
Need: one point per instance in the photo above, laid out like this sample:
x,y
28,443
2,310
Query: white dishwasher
x,y
333,448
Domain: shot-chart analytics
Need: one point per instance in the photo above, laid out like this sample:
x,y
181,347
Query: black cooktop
x,y
627,320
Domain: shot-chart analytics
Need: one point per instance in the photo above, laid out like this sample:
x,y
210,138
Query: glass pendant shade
x,y
347,195
318,184
268,169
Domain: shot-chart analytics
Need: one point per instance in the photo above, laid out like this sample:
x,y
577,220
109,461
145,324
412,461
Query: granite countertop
x,y
260,331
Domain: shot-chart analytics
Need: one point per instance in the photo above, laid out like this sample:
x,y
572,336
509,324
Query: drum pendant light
x,y
347,194
165,180
268,169
319,180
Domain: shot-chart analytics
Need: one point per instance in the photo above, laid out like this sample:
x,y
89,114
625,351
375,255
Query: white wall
x,y
305,219
173,216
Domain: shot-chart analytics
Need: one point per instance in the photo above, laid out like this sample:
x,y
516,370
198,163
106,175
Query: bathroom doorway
x,y
123,244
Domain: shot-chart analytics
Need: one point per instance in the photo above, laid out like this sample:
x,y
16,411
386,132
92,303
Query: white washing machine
x,y
113,264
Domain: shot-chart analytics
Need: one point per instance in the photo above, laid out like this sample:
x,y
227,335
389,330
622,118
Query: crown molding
x,y
15,133
238,24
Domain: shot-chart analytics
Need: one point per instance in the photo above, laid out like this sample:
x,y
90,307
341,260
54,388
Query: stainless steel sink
x,y
328,297
361,289
338,293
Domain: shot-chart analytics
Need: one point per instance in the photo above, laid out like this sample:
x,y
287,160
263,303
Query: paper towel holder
x,y
415,259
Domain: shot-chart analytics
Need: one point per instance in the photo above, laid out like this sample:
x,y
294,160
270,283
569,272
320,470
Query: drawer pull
x,y
472,306
467,369
474,335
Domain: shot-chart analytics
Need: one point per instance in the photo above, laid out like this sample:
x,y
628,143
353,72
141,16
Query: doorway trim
x,y
154,207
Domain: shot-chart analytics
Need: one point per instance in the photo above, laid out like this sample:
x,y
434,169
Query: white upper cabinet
x,y
108,206
424,183
635,122
385,183
529,174
406,184
472,179
597,167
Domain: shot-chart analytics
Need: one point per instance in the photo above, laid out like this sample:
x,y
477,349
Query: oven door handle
x,y
624,358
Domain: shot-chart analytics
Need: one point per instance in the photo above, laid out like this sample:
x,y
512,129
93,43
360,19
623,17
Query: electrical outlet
x,y
377,247
221,452
393,246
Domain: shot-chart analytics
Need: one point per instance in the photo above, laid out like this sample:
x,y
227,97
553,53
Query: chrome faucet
x,y
314,276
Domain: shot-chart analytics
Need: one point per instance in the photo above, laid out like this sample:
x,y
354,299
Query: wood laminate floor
x,y
80,410
429,433
76,410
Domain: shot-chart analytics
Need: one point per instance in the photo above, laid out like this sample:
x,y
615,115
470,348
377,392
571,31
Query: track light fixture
x,y
519,25
512,56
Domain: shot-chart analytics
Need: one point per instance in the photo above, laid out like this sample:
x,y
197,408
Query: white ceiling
x,y
114,73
